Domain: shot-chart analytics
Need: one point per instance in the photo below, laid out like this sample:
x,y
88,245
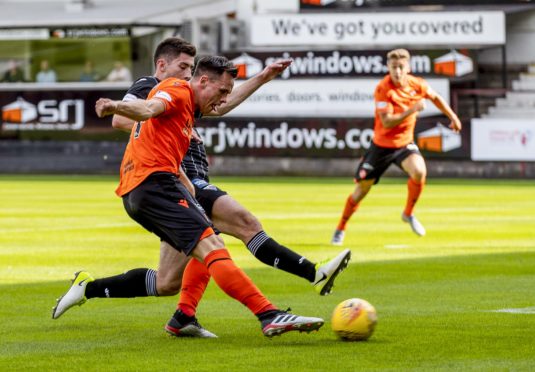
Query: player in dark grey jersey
x,y
227,215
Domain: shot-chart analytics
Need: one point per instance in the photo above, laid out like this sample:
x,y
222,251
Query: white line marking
x,y
397,246
64,228
521,310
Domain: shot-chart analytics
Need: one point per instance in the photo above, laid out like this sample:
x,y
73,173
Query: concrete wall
x,y
84,157
520,31
230,166
105,157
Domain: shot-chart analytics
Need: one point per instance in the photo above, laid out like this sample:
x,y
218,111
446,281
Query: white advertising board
x,y
503,139
322,98
365,29
24,34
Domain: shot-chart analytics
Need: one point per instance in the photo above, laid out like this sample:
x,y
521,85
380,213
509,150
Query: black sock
x,y
267,314
272,253
183,318
133,283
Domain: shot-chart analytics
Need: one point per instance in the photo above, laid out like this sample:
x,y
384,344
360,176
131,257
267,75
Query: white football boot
x,y
327,271
74,296
416,226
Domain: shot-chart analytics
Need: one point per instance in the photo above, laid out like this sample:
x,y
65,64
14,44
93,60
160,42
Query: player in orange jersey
x,y
399,97
155,198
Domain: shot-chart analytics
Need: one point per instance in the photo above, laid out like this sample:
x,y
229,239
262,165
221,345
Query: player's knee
x,y
252,222
419,174
248,223
217,242
167,286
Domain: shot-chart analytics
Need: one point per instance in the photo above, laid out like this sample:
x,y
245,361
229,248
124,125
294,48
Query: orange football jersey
x,y
158,144
392,99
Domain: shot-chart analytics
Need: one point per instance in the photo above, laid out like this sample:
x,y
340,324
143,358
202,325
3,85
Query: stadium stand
x,y
518,103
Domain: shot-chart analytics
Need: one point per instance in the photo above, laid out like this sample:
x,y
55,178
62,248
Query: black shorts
x,y
206,194
163,206
377,160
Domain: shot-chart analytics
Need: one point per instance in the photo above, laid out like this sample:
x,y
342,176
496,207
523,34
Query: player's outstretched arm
x,y
136,110
443,106
242,92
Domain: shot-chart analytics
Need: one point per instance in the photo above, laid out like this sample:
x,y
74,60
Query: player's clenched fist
x,y
419,106
105,107
456,125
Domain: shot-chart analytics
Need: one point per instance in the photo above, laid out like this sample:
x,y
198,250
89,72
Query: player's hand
x,y
456,125
105,107
276,68
419,106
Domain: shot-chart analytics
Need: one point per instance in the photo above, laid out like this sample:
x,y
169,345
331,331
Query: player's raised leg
x,y
231,218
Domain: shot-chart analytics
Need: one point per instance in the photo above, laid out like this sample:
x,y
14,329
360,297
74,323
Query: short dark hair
x,y
171,48
215,65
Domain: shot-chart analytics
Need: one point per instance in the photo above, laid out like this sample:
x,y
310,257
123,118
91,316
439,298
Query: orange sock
x,y
414,190
350,208
194,282
234,282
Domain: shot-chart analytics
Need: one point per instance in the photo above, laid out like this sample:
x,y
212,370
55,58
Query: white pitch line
x,y
289,216
397,246
520,310
64,228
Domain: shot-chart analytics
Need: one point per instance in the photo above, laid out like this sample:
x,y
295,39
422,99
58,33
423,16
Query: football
x,y
354,320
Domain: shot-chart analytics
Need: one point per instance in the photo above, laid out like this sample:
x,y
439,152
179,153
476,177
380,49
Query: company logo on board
x,y
47,114
439,139
247,66
453,64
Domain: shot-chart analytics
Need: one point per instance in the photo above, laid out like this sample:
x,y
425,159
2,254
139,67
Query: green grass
x,y
435,296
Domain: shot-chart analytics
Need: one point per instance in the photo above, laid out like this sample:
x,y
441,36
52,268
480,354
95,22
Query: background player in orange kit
x,y
399,97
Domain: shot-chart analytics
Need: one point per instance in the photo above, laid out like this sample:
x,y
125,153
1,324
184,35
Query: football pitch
x,y
461,298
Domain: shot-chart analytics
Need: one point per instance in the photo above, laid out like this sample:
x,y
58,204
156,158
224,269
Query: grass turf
x,y
436,296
